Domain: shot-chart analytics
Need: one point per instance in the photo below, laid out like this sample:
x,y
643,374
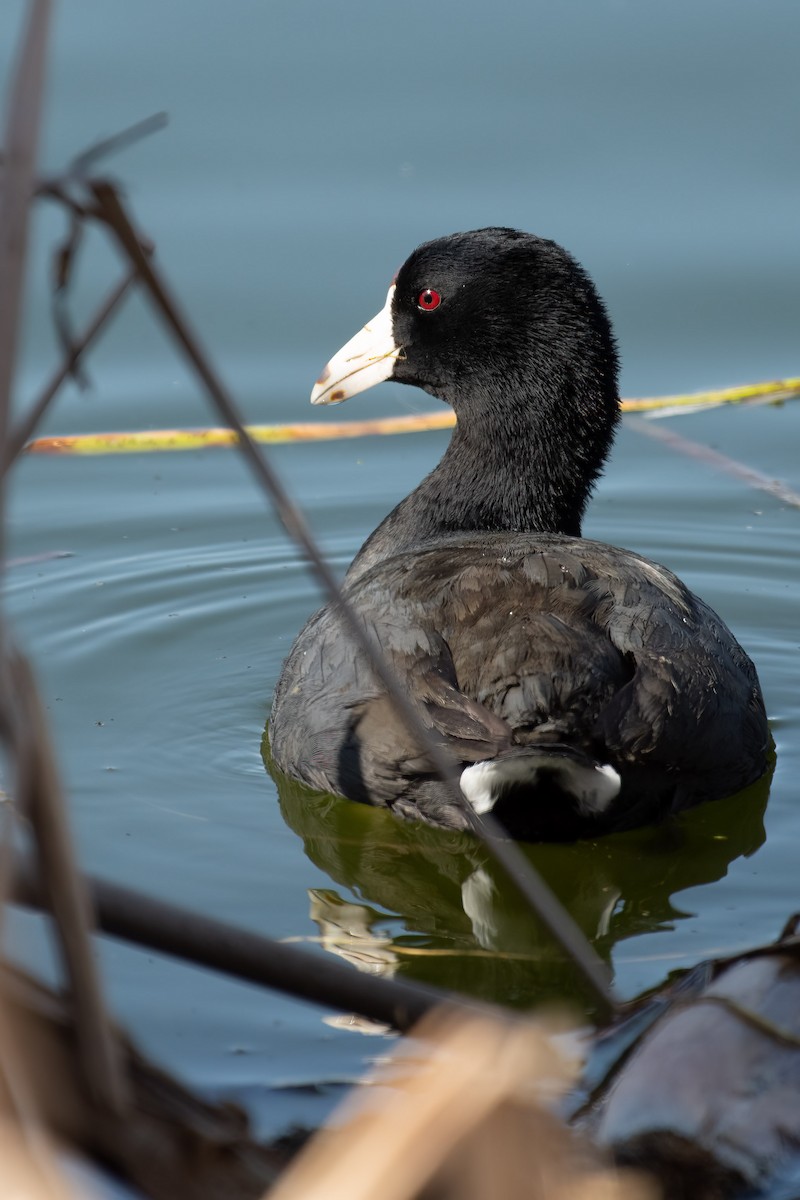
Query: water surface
x,y
308,152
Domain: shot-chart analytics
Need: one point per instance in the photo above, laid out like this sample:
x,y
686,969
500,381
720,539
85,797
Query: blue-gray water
x,y
311,147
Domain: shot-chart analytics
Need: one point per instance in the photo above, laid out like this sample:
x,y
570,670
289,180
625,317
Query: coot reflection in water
x,y
454,902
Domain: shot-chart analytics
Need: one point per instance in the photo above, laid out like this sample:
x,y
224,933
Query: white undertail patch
x,y
593,786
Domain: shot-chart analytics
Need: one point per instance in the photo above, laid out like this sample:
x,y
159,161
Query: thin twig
x,y
39,789
26,424
551,913
83,162
714,458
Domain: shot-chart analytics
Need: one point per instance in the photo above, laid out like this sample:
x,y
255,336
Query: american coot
x,y
581,687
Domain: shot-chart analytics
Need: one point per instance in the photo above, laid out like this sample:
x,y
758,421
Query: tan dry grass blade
x,y
21,1174
467,1110
28,1167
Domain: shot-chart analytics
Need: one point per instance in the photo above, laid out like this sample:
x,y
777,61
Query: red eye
x,y
428,300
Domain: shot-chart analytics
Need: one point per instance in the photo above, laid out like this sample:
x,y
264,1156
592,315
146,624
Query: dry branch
x,y
320,979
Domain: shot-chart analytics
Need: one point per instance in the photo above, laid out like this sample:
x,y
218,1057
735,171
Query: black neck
x,y
526,467
502,478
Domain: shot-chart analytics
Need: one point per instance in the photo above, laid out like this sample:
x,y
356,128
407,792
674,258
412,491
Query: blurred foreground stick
x,y
156,925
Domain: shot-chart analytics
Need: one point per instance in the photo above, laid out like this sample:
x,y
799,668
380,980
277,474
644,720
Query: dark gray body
x,y
510,640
